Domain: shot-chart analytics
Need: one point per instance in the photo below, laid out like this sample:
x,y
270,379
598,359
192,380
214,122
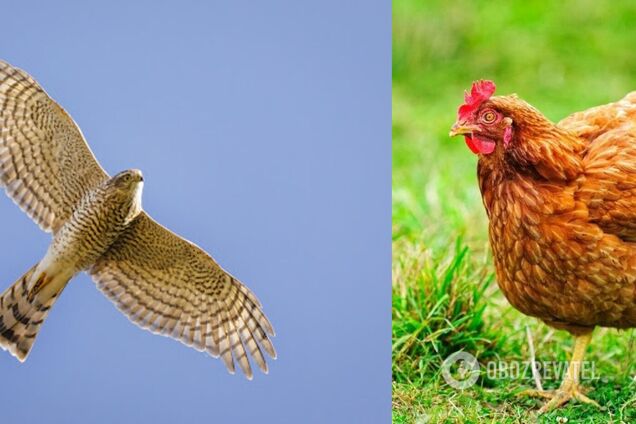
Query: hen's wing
x,y
45,164
593,122
608,184
171,287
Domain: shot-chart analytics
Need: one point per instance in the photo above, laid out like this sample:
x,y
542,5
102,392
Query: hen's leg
x,y
570,387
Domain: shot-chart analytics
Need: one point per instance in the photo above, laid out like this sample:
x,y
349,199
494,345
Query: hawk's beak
x,y
459,129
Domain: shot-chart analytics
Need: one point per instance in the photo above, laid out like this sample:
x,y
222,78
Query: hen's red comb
x,y
479,93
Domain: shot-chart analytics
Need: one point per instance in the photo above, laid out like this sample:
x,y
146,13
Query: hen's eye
x,y
489,117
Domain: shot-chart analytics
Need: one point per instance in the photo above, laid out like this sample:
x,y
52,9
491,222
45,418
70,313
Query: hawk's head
x,y
128,186
128,180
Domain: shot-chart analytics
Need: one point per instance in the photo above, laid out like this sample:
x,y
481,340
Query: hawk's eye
x,y
489,117
126,178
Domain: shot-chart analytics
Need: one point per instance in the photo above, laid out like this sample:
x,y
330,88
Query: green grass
x,y
561,57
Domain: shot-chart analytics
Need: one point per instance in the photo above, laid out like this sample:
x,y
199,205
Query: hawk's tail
x,y
21,316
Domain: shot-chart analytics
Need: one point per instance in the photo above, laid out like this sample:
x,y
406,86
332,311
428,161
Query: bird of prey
x,y
161,281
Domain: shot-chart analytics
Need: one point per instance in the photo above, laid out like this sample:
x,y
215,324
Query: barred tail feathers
x,y
21,315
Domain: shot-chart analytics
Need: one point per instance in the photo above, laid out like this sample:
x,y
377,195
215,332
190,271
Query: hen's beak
x,y
459,129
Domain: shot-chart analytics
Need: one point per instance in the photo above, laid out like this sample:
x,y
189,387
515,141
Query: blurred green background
x,y
562,57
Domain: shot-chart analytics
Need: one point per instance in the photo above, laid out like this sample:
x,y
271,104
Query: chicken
x,y
561,204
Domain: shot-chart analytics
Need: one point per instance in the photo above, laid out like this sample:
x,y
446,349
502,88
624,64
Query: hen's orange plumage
x,y
561,202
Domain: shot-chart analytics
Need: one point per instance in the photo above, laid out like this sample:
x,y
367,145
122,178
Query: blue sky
x,y
263,130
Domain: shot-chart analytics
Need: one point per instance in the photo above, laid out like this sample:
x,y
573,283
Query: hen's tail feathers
x,y
21,316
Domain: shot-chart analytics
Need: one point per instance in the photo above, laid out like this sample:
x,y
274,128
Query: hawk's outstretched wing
x,y
45,164
169,286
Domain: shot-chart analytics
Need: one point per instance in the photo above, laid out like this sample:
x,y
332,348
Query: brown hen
x,y
561,204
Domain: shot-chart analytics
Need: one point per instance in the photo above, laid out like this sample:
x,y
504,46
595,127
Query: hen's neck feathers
x,y
538,148
540,152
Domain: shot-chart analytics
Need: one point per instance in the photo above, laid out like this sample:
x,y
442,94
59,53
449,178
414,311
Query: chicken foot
x,y
570,387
